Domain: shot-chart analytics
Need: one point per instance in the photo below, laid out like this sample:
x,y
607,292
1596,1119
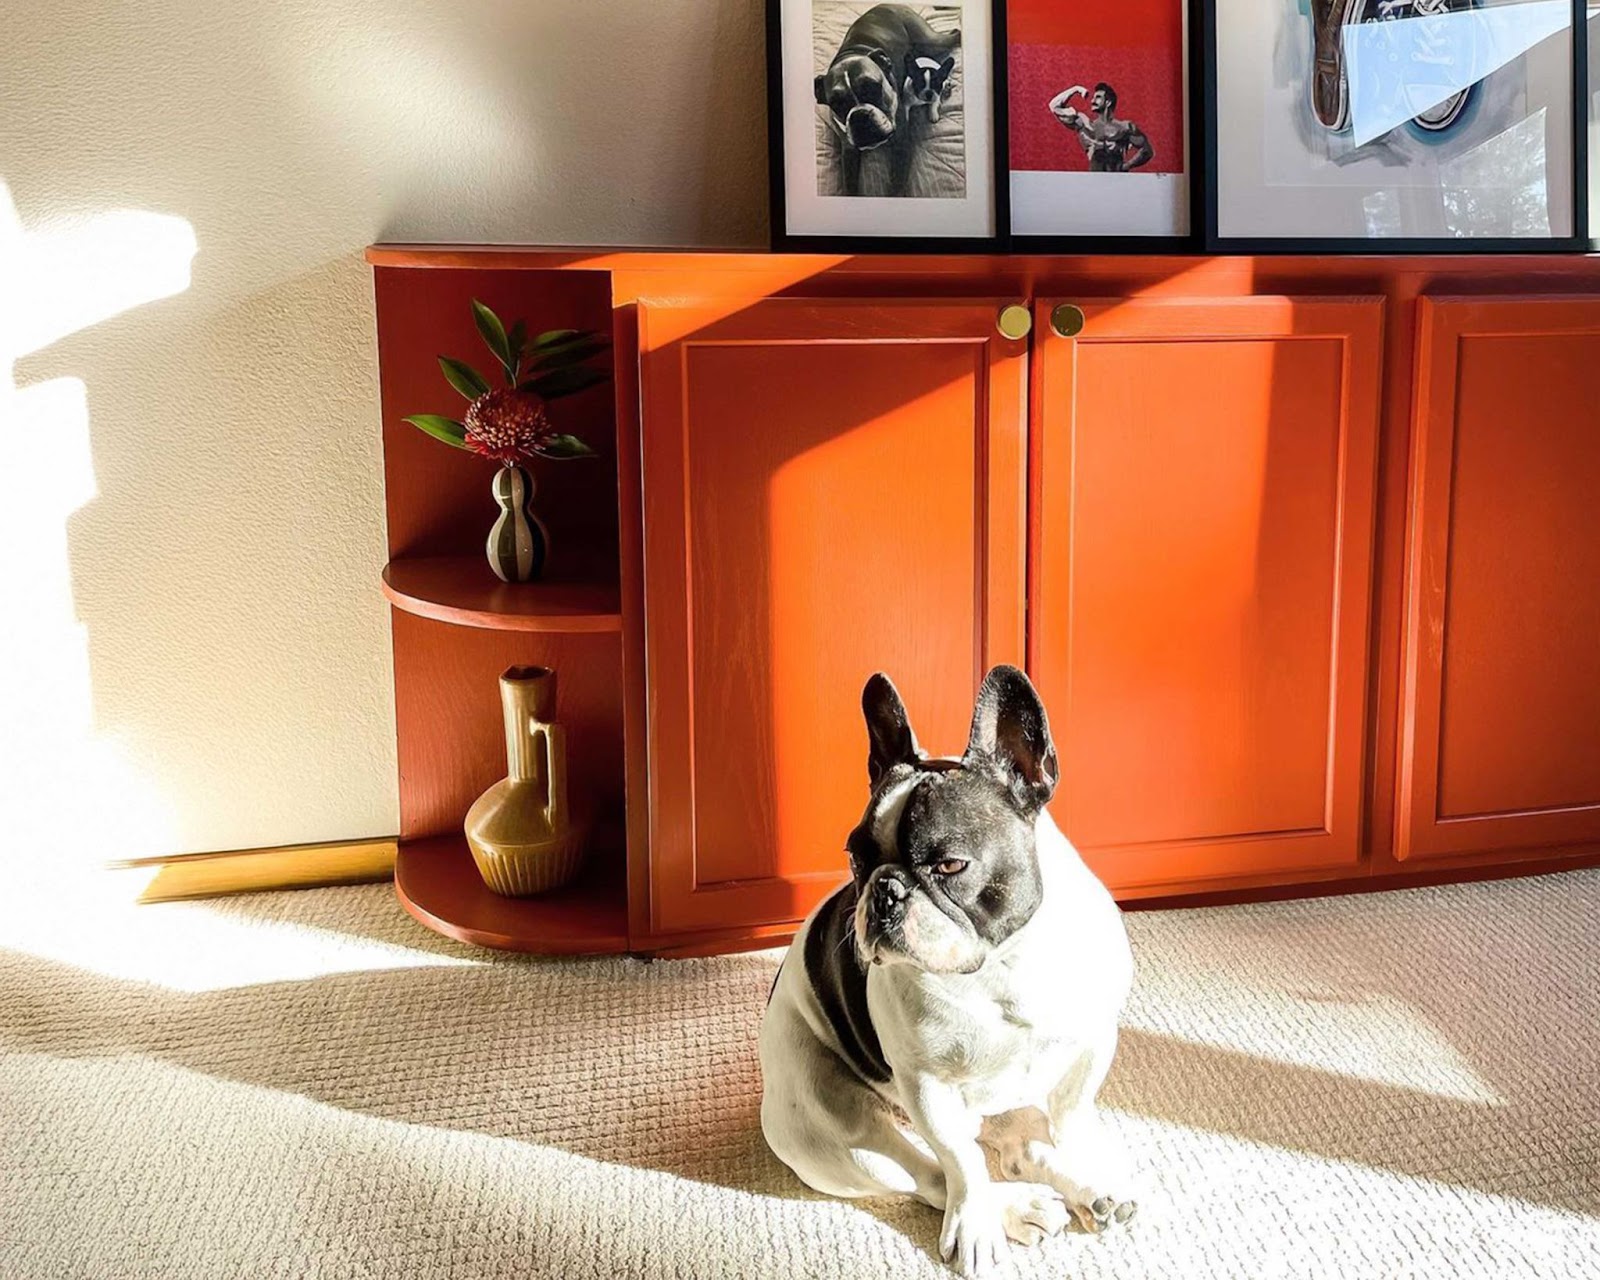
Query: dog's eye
x,y
949,867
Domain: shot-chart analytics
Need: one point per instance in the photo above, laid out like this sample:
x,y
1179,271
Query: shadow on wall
x,y
61,280
171,647
207,651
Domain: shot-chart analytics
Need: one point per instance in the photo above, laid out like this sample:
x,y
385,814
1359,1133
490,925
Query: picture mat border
x,y
782,240
1385,246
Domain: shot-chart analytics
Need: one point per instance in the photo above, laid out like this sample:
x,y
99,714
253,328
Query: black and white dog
x,y
864,89
960,992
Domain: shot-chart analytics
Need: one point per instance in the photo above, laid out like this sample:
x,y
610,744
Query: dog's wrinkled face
x,y
944,858
863,103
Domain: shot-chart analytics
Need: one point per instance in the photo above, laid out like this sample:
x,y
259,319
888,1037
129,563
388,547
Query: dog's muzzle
x,y
883,921
868,127
889,896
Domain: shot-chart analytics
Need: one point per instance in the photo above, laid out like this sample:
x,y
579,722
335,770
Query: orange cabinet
x,y
1202,560
1303,554
829,488
1500,728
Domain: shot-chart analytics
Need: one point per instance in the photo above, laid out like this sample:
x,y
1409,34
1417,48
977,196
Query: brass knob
x,y
1067,320
1015,321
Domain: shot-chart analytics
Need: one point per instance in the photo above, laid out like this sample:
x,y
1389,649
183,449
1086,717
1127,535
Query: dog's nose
x,y
890,892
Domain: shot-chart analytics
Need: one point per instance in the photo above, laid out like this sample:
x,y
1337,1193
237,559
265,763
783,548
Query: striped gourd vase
x,y
518,543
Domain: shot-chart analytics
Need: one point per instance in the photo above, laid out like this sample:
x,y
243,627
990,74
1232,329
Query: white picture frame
x,y
931,179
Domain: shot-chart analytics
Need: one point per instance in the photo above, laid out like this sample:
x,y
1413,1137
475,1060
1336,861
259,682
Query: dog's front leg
x,y
900,156
1080,1160
973,1236
850,170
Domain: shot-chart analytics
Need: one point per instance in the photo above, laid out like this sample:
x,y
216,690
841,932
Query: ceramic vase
x,y
520,830
519,542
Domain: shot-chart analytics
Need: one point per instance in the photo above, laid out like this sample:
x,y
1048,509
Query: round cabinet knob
x,y
1067,320
1015,321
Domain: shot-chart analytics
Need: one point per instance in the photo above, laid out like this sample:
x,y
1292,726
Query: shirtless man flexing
x,y
1113,146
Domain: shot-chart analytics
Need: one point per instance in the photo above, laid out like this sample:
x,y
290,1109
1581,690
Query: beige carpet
x,y
312,1085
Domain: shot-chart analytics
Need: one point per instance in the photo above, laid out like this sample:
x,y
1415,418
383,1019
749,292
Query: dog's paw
x,y
1095,1185
973,1239
1098,1214
1030,1211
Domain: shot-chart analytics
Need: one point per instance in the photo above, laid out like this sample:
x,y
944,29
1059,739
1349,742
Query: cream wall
x,y
194,654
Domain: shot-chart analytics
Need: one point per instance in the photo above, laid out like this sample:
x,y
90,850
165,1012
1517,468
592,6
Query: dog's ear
x,y
1010,731
885,64
820,84
889,736
942,75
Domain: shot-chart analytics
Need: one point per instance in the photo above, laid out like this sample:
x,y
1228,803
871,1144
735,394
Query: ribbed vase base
x,y
520,873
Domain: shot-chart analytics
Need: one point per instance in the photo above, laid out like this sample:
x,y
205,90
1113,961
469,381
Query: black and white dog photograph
x,y
890,119
882,121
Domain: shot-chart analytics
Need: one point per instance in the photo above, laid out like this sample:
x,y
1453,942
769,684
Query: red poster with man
x,y
1097,89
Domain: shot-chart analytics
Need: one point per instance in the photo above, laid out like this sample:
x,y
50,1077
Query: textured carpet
x,y
311,1085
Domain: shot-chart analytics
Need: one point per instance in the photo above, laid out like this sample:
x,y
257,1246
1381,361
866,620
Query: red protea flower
x,y
507,425
511,424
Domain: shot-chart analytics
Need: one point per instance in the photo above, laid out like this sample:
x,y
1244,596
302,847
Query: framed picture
x,y
1591,92
881,125
1394,125
1096,104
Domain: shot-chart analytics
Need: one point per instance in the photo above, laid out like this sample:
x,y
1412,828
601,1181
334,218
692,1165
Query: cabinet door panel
x,y
830,489
1205,481
1500,742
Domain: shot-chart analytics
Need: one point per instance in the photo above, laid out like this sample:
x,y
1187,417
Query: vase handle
x,y
552,743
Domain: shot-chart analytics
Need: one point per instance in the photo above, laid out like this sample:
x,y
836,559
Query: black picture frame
x,y
1586,224
783,241
1192,243
1213,242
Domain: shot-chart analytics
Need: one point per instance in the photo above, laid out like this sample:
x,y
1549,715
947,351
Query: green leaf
x,y
463,377
569,338
552,337
565,447
494,336
563,382
569,354
515,341
440,428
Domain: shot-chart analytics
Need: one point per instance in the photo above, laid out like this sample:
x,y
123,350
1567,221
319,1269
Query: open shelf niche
x,y
457,626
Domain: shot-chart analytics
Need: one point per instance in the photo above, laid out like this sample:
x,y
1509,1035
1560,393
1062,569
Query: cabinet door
x,y
830,488
1205,486
1500,731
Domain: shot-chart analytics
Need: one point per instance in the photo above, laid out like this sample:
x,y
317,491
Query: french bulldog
x,y
959,993
928,84
863,88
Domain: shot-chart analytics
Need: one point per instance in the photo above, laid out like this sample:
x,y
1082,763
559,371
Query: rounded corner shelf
x,y
438,883
462,590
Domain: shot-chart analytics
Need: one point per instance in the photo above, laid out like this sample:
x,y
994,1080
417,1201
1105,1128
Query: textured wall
x,y
193,650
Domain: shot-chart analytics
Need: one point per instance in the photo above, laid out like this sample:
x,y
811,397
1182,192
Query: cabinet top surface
x,y
600,258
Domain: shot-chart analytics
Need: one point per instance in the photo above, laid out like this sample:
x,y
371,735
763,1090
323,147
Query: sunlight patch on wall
x,y
74,272
67,790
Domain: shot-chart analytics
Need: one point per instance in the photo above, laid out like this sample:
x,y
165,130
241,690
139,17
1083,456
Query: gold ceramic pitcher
x,y
522,835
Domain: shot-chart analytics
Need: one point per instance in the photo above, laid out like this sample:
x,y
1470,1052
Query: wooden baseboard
x,y
298,866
